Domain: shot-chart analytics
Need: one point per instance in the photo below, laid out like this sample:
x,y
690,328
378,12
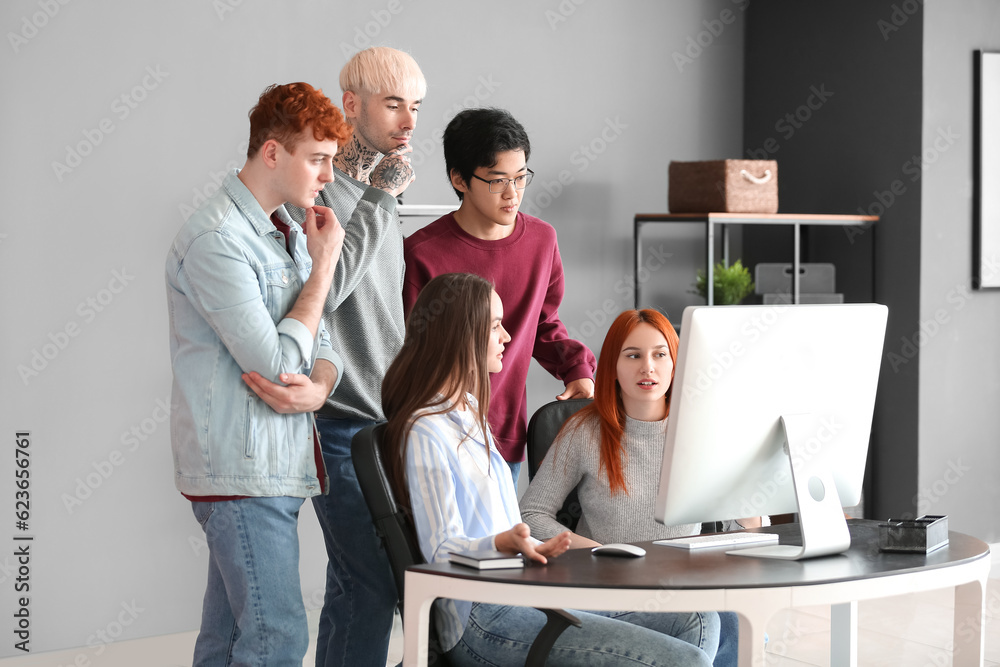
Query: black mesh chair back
x,y
543,427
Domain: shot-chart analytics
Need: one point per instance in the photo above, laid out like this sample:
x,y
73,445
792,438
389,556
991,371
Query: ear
x,y
269,153
457,182
352,104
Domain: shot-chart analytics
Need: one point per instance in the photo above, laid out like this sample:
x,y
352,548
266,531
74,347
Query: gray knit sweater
x,y
364,309
575,459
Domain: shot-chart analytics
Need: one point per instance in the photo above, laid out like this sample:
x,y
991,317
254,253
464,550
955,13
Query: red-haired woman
x,y
611,451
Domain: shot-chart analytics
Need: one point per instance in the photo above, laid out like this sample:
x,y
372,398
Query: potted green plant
x,y
731,284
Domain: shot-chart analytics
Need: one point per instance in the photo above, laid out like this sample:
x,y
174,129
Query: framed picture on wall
x,y
986,172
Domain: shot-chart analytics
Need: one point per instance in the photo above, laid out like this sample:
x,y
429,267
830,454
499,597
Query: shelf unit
x,y
710,220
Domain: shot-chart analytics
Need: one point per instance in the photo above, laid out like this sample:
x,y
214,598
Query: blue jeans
x,y
729,640
253,612
515,470
502,635
356,621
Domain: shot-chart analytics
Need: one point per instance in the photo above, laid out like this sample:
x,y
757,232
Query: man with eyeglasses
x,y
486,153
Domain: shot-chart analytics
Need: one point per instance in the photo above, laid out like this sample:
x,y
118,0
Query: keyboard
x,y
729,540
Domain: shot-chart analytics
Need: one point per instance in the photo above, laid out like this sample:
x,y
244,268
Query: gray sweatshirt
x,y
574,458
364,309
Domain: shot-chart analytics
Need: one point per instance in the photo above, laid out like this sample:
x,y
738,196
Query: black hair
x,y
474,137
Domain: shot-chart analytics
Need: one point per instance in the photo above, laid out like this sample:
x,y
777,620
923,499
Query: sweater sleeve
x,y
565,358
364,232
363,236
558,475
418,269
411,288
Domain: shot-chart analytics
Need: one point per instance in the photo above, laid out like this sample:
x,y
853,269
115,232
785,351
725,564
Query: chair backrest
x,y
391,523
543,427
400,541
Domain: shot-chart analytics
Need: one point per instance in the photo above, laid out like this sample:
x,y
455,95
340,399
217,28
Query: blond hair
x,y
380,70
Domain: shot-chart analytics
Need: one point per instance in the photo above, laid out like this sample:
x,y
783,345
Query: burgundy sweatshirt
x,y
526,271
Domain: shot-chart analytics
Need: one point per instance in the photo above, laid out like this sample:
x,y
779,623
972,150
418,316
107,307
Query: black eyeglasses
x,y
498,185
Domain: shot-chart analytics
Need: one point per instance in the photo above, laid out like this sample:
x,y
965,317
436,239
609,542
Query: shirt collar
x,y
251,208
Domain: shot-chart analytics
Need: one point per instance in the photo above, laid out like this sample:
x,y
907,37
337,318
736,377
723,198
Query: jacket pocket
x,y
281,287
249,439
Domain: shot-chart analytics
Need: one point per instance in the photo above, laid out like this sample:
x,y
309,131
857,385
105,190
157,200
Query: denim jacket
x,y
230,283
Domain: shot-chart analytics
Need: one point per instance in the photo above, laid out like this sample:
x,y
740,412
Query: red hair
x,y
607,406
283,112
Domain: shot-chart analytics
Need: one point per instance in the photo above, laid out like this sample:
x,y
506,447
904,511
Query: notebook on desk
x,y
486,560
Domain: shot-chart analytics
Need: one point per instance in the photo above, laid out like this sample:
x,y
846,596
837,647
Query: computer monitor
x,y
771,413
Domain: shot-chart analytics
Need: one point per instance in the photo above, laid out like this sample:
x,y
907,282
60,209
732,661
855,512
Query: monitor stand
x,y
821,516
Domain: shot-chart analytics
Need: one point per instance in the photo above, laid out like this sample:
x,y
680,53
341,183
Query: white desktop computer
x,y
771,413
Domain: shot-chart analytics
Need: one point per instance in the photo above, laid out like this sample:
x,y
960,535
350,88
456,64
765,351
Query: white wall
x,y
959,355
152,97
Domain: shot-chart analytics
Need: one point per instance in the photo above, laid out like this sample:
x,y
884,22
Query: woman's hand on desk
x,y
581,542
518,540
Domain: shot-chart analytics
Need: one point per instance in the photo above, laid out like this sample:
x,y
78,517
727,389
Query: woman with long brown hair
x,y
447,470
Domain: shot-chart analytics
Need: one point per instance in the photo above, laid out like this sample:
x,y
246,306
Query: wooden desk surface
x,y
680,569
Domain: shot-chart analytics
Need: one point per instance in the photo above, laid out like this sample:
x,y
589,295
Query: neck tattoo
x,y
356,160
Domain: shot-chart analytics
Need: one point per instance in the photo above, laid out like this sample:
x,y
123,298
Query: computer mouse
x,y
626,550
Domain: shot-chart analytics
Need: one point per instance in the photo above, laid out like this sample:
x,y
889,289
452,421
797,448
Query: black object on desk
x,y
922,535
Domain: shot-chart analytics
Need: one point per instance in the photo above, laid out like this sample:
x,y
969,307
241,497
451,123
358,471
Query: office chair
x,y
543,427
399,538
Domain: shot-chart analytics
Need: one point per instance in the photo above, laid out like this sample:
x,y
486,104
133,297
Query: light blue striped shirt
x,y
462,495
